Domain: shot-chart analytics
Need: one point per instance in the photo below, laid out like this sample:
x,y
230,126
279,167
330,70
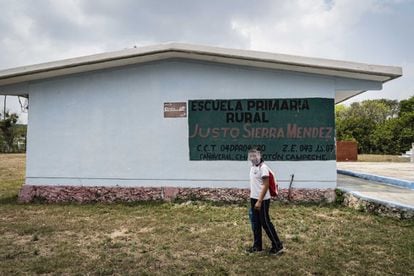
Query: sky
x,y
369,31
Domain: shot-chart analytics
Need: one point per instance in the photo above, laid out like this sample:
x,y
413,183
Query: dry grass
x,y
12,173
196,238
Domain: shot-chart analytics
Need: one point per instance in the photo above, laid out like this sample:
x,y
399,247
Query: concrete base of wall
x,y
84,194
377,207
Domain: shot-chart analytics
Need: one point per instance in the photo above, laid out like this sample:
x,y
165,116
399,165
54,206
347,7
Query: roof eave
x,y
204,53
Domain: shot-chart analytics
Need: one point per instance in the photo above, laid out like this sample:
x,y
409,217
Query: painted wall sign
x,y
175,110
285,129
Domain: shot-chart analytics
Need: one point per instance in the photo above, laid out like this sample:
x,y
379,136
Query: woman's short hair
x,y
254,149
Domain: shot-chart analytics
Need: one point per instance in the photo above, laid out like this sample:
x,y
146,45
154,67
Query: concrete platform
x,y
403,170
378,192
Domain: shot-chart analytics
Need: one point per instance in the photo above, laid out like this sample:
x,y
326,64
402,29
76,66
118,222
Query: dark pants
x,y
260,218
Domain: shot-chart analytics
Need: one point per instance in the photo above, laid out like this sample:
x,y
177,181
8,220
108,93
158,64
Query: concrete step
x,y
379,190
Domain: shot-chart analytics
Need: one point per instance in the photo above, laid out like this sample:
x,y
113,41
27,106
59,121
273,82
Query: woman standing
x,y
260,201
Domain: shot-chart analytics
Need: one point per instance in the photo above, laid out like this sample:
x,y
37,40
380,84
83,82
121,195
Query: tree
x,y
379,126
359,120
406,121
8,131
406,106
385,137
393,107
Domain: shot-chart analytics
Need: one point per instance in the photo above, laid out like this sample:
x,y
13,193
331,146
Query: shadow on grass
x,y
12,199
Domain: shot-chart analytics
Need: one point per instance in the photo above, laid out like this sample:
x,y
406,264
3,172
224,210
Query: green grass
x,y
191,238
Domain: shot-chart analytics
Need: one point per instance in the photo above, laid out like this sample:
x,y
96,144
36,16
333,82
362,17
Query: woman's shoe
x,y
253,249
276,250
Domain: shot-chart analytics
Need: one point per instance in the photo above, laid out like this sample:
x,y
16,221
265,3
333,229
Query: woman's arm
x,y
262,192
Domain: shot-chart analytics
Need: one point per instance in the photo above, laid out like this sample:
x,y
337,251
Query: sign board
x,y
175,110
285,129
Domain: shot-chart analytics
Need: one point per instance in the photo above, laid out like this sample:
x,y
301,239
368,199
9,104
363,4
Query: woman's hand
x,y
258,205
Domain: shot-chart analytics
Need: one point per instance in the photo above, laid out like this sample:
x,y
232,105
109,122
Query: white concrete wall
x,y
107,127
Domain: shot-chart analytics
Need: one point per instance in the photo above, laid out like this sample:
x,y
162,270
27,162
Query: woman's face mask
x,y
254,157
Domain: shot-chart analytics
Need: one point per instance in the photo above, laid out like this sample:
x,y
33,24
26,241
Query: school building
x,y
175,121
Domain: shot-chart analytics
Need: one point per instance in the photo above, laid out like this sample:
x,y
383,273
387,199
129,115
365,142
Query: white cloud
x,y
372,31
314,28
